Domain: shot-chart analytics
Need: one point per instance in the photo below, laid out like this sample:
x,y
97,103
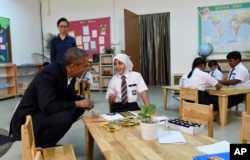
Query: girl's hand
x,y
112,97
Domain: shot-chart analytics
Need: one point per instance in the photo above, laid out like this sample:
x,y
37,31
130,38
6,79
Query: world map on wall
x,y
226,27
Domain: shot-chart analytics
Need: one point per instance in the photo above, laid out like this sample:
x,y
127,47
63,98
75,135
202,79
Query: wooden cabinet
x,y
177,77
8,81
96,76
25,74
106,70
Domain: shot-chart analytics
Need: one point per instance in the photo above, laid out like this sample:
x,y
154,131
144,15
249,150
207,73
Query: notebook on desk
x,y
217,156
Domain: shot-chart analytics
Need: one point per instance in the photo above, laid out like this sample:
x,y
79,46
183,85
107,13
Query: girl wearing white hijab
x,y
135,86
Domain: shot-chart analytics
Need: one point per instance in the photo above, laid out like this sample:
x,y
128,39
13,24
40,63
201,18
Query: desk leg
x,y
165,96
223,101
89,144
247,103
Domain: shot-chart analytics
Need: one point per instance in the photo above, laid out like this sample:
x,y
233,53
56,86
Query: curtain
x,y
155,48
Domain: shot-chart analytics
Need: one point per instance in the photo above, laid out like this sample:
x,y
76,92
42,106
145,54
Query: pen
x,y
163,120
111,114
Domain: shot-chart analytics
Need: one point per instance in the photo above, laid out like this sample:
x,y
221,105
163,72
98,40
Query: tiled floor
x,y
76,134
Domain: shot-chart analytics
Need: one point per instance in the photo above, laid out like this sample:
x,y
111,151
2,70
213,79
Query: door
x,y
132,46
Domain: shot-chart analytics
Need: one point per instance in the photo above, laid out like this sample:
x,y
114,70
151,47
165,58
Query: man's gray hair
x,y
74,55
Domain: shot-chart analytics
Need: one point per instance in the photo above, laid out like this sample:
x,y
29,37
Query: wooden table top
x,y
127,143
172,87
224,91
227,91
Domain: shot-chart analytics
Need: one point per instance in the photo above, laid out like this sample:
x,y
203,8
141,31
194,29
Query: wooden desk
x,y
222,98
165,90
223,94
128,144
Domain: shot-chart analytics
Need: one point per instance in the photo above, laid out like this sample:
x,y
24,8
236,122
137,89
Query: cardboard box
x,y
184,126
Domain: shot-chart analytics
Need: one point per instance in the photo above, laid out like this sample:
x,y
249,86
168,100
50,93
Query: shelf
x,y
109,64
8,81
6,76
25,73
7,96
105,65
94,72
106,70
107,76
5,85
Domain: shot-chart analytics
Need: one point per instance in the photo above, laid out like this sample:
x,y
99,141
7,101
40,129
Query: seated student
x,y
198,78
86,76
125,86
215,70
238,75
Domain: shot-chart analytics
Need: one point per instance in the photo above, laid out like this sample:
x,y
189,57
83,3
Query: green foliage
x,y
4,23
47,46
47,41
2,59
146,112
123,51
109,50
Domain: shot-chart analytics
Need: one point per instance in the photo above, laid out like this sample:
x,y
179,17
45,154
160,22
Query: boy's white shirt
x,y
88,77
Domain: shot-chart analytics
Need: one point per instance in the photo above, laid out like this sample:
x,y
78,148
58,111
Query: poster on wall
x,y
5,44
226,27
92,35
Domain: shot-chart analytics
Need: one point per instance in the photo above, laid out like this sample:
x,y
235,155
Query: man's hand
x,y
87,104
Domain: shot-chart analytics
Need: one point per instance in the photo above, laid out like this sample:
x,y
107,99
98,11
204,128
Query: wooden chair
x,y
198,113
64,152
38,156
77,87
24,87
188,94
86,89
245,128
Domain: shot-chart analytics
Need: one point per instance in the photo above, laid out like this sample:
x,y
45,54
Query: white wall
x,y
183,21
25,28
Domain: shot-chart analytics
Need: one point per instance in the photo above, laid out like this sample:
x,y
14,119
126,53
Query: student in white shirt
x,y
198,78
215,70
135,86
86,76
238,76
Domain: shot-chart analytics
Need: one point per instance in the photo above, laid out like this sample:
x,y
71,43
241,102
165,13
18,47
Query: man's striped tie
x,y
124,91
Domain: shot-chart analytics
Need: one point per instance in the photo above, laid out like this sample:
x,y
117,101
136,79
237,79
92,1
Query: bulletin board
x,y
226,27
5,43
92,35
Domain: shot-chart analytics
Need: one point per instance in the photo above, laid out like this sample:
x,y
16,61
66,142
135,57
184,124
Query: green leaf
x,y
146,112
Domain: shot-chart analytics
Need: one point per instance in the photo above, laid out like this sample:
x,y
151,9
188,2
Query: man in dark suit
x,y
51,100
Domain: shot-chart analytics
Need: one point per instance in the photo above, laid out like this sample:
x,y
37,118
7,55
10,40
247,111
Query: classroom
x,y
30,22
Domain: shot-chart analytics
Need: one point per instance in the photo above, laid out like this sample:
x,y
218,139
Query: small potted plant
x,y
149,125
109,50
